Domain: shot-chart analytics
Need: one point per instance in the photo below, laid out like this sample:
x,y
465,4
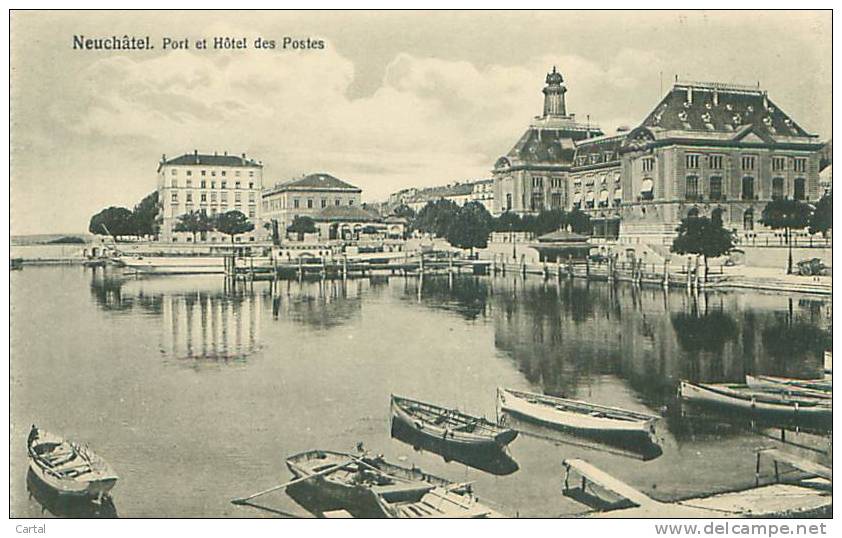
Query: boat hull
x,y
728,398
72,488
173,265
578,423
456,439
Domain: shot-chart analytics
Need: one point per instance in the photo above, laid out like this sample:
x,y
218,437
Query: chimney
x,y
225,153
195,152
244,156
164,158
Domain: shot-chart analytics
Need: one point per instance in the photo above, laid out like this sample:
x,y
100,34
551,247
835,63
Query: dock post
x,y
570,266
523,264
421,263
324,267
587,268
450,263
666,274
344,266
300,268
251,268
696,274
546,270
689,274
503,263
558,269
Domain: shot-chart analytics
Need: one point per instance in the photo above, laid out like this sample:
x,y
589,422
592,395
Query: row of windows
x,y
747,191
589,180
223,196
203,184
297,203
747,162
188,173
601,199
175,212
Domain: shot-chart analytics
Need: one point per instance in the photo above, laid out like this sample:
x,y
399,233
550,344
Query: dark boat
x,y
371,486
494,460
449,425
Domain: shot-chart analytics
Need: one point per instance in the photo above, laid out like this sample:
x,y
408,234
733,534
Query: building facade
x,y
710,149
308,196
213,184
460,193
533,175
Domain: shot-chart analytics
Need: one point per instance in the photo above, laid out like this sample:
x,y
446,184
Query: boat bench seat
x,y
403,492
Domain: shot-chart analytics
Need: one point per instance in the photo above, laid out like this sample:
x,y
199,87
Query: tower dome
x,y
554,95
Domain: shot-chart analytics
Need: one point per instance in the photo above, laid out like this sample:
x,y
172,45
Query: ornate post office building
x,y
719,150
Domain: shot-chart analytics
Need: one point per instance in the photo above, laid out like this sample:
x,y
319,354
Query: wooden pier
x,y
811,495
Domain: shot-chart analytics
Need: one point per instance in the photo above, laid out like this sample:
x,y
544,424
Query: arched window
x,y
715,188
748,219
799,189
777,188
603,198
748,188
589,199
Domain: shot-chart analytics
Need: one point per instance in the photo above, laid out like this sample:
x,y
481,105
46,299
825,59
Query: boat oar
x,y
244,500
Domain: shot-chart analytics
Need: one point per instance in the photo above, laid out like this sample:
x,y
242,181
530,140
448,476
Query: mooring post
x,y
570,266
523,264
558,268
450,262
300,268
666,274
344,266
421,263
689,273
587,267
546,270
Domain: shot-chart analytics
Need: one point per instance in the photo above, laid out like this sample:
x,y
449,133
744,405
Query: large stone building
x,y
460,193
211,183
707,148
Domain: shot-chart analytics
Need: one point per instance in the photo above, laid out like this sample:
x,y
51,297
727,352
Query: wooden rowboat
x,y
577,416
371,486
68,468
450,426
816,388
745,398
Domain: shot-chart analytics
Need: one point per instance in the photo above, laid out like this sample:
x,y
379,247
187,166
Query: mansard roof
x,y
601,150
318,181
550,144
197,158
706,108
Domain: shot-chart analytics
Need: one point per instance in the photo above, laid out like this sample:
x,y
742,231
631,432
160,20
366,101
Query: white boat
x,y
745,398
817,388
68,468
577,416
173,265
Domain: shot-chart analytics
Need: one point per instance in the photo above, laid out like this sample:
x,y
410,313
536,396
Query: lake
x,y
196,391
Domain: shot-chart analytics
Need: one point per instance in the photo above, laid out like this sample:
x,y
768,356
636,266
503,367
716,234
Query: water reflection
x,y
319,304
64,506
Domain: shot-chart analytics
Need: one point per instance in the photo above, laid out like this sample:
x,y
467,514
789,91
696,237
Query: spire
x,y
554,95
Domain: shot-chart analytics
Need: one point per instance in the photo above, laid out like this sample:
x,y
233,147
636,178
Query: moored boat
x,y
173,265
372,486
817,388
579,417
745,398
450,426
67,467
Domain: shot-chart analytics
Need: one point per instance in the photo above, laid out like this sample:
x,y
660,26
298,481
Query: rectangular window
x,y
251,173
748,162
174,172
189,183
204,183
251,197
309,203
204,197
237,173
251,184
174,183
692,160
224,197
237,198
324,203
203,172
777,188
537,182
799,188
351,202
648,164
508,201
224,184
189,197
213,184
175,197
189,173
799,165
778,164
716,188
716,162
748,188
213,173
213,197
222,173
237,185
251,212
337,201
295,203
692,191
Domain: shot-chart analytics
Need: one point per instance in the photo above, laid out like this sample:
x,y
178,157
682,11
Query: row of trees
x,y
469,226
231,223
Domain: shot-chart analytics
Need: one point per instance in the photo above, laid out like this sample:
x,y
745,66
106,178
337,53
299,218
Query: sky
x,y
395,99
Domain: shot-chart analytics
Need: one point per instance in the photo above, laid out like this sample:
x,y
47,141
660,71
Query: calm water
x,y
196,393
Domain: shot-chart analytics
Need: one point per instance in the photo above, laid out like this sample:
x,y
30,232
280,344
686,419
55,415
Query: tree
x,y
233,223
145,215
787,215
113,221
302,225
579,222
404,211
822,219
436,216
470,227
548,221
194,222
509,222
702,236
